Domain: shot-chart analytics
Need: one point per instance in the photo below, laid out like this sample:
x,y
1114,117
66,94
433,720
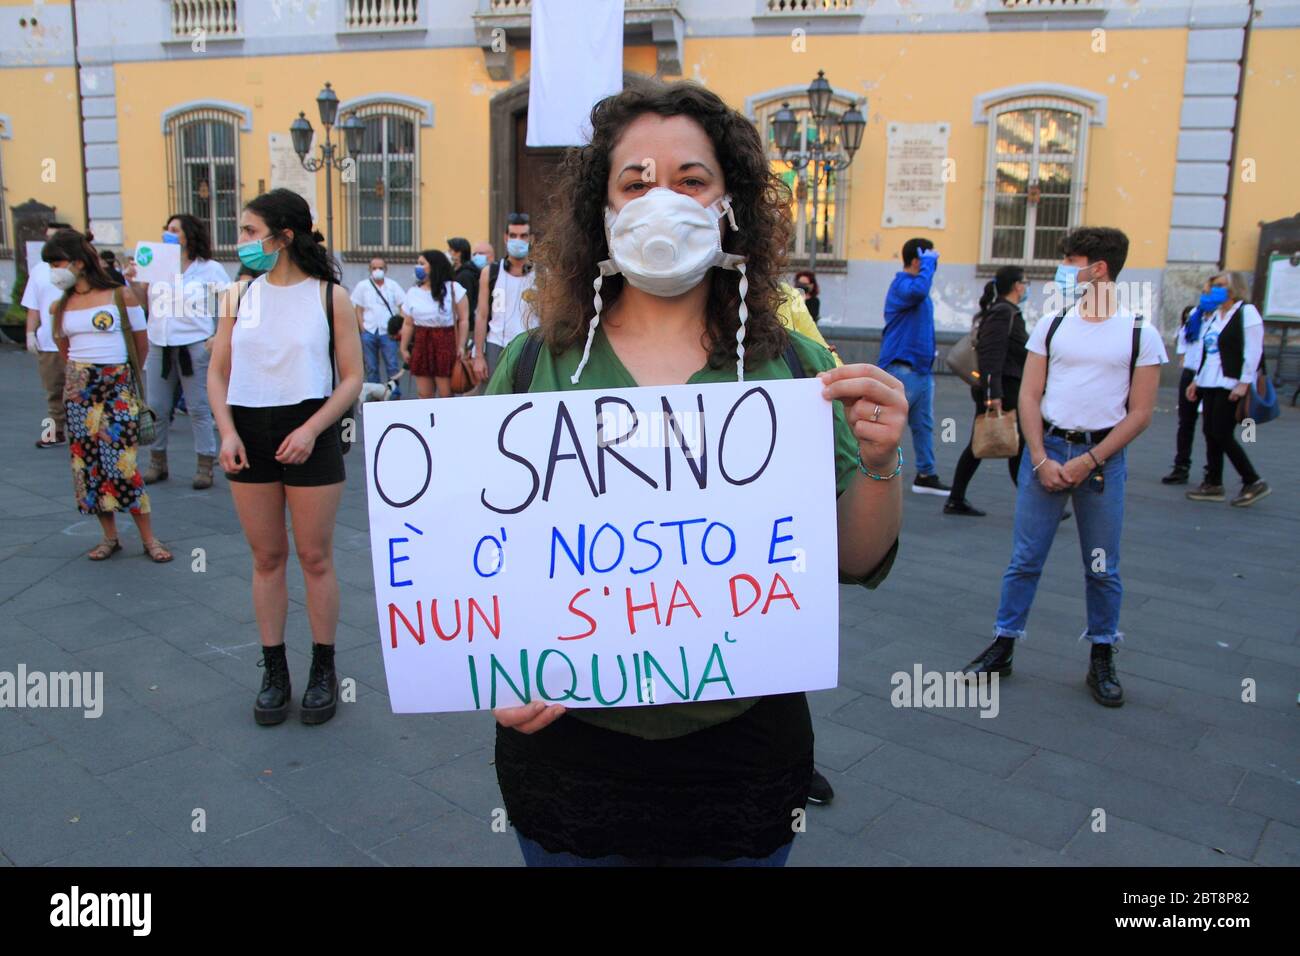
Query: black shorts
x,y
262,430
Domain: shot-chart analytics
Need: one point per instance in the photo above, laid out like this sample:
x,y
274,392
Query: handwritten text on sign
x,y
604,548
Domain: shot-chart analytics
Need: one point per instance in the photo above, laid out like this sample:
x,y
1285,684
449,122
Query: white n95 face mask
x,y
664,243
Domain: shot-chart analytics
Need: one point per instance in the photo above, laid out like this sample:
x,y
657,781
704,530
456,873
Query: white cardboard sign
x,y
599,548
157,262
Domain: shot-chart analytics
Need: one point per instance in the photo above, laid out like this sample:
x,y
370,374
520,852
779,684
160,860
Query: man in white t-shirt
x,y
1089,389
378,299
39,295
506,294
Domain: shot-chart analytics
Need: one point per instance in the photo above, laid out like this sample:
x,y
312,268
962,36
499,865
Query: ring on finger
x,y
875,416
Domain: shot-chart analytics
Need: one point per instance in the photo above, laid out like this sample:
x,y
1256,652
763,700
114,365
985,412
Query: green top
x,y
605,370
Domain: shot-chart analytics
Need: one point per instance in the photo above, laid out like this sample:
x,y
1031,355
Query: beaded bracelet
x,y
897,471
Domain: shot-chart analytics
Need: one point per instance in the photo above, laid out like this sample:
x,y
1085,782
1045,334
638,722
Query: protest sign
x,y
157,262
603,548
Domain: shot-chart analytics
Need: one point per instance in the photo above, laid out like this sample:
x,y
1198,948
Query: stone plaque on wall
x,y
914,175
288,172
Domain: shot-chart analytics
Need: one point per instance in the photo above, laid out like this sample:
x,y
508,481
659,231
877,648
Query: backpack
x,y
1138,322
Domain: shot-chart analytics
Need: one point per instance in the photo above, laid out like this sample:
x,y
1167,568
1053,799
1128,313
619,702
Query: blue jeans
x,y
536,855
919,387
372,343
1100,517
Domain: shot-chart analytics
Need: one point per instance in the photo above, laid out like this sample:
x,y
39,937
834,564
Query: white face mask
x,y
665,243
377,275
63,279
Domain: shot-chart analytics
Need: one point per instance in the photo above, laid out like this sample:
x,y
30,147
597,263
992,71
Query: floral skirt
x,y
103,431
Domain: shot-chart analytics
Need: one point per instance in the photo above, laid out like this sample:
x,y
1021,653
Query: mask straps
x,y
607,268
731,261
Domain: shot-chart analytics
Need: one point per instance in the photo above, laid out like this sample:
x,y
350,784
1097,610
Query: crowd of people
x,y
270,364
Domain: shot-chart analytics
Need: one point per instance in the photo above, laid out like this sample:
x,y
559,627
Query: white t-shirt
x,y
1190,351
377,304
192,316
509,312
424,310
1087,372
1211,373
41,294
95,334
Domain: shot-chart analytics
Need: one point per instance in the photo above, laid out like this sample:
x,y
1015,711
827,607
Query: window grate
x,y
203,171
382,201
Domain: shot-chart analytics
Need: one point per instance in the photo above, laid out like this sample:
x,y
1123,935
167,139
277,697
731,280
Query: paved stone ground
x,y
1186,772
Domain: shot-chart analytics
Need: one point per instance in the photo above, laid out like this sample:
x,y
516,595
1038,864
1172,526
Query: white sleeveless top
x,y
279,347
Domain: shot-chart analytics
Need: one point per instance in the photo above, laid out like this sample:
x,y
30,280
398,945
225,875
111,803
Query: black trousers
x,y
1219,420
967,464
1186,422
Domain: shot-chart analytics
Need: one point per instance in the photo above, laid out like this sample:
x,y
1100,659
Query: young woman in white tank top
x,y
277,408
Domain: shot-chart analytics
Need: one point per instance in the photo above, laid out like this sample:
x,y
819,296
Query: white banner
x,y
577,60
555,546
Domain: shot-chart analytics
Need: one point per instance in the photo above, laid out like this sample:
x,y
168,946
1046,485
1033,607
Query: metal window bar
x,y
203,172
1020,155
382,202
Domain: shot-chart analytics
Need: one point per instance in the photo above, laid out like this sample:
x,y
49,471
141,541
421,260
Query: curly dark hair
x,y
573,241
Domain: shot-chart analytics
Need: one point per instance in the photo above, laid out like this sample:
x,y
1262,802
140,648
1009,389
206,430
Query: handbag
x,y
996,435
962,359
352,412
462,378
147,422
1259,404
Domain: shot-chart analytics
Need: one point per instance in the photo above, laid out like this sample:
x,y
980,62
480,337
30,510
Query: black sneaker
x,y
1250,494
962,507
994,659
1102,680
929,485
1207,492
820,792
1176,477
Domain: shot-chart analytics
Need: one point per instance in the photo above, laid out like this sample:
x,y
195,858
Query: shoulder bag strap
x,y
329,320
792,361
132,358
1133,357
1047,346
381,298
527,364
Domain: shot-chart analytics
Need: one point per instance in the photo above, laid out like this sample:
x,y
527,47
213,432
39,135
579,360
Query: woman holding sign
x,y
674,216
273,392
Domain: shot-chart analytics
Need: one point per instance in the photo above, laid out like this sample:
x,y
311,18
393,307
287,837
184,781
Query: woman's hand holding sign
x,y
529,718
875,407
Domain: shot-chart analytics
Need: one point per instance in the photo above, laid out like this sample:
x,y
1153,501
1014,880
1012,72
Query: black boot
x,y
1102,680
272,705
960,506
321,697
996,659
1176,477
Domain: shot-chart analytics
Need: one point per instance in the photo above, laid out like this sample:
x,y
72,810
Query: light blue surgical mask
x,y
252,255
479,259
171,238
1066,280
517,248
420,274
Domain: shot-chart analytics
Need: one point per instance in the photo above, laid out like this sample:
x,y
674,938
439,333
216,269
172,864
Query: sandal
x,y
156,552
104,550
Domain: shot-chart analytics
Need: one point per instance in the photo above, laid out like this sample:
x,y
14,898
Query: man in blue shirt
x,y
907,353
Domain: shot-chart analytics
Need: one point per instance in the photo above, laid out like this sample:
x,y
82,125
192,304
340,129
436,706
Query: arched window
x,y
1034,182
381,194
203,168
826,219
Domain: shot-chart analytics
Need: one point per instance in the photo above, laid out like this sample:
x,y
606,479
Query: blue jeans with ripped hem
x,y
1099,515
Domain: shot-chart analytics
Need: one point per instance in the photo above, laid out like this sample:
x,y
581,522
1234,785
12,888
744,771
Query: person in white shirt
x,y
279,409
505,296
435,327
38,297
378,299
1232,344
101,389
1187,343
182,321
1089,389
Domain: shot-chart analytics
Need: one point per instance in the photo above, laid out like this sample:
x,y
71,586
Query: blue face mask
x,y
171,238
517,248
420,274
252,255
1066,279
479,259
1211,300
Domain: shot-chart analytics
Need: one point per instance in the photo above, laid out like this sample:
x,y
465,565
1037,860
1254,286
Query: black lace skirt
x,y
727,791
